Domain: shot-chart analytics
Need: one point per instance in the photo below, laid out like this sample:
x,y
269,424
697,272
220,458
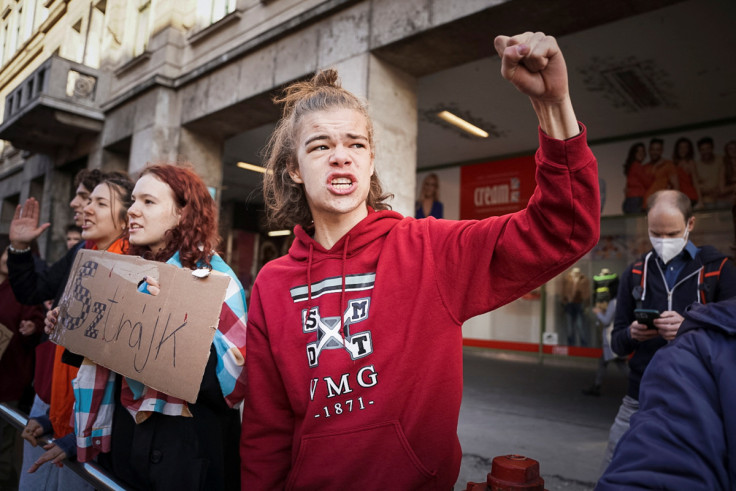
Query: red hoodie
x,y
355,353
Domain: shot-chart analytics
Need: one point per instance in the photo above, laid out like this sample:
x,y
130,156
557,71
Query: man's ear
x,y
295,174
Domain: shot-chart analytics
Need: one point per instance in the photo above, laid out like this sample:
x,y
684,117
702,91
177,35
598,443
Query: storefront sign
x,y
496,188
160,340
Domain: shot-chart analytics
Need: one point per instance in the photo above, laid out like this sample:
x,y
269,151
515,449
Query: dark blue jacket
x,y
686,292
684,434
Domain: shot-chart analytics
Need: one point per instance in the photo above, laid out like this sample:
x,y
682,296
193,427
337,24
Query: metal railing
x,y
90,472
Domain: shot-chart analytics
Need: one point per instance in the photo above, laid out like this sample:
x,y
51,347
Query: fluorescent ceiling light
x,y
279,233
253,167
462,124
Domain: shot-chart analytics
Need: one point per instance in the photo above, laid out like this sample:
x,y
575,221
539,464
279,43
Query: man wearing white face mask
x,y
669,278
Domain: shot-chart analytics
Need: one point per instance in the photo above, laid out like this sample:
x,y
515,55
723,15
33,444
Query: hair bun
x,y
326,78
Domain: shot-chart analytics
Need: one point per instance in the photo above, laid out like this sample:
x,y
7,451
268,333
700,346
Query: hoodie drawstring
x,y
309,279
310,259
342,292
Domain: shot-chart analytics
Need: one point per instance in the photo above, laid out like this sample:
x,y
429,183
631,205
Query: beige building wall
x,y
175,78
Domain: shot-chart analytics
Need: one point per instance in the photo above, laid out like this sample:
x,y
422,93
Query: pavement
x,y
526,405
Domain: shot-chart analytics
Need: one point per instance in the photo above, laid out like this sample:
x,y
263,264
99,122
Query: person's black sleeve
x,y
621,342
32,287
726,282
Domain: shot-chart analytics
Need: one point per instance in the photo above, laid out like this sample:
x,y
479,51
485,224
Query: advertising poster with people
x,y
700,163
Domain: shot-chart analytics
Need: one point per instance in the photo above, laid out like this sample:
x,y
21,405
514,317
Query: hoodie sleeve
x,y
482,265
678,439
268,421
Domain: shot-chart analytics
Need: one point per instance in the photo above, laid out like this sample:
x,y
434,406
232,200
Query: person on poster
x,y
366,309
664,172
711,174
729,167
687,173
671,276
638,178
429,204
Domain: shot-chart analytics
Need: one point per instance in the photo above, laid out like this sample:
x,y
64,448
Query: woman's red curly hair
x,y
196,236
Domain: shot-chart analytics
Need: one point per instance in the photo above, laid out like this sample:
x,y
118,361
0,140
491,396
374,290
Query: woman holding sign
x,y
104,228
156,441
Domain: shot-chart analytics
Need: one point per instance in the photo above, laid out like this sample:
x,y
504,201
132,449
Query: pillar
x,y
392,104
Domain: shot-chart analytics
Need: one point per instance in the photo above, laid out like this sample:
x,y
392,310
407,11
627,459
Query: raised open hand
x,y
24,227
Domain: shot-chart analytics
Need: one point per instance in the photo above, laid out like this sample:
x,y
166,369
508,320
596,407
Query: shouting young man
x,y
354,338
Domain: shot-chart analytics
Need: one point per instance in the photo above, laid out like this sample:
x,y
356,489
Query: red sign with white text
x,y
496,188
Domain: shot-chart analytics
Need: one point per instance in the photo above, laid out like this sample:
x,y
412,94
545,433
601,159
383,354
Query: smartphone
x,y
646,316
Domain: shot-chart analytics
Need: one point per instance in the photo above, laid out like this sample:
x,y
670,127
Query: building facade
x,y
116,84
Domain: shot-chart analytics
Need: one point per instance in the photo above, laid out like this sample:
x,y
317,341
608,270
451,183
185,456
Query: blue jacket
x,y
684,435
686,292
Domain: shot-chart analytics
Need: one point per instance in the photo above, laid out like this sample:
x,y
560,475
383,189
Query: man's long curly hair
x,y
196,236
286,200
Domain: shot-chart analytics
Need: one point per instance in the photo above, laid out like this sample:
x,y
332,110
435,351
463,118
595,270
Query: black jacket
x,y
32,287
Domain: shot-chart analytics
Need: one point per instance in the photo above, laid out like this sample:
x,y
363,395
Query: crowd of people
x,y
353,333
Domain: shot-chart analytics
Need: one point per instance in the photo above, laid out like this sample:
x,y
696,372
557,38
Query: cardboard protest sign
x,y
5,337
160,340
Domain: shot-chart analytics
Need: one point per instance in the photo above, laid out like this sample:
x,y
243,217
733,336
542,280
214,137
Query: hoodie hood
x,y
305,249
375,225
718,316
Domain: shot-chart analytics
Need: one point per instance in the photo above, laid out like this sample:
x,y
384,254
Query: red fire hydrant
x,y
511,473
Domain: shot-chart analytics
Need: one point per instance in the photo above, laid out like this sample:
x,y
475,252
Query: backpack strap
x,y
637,271
709,277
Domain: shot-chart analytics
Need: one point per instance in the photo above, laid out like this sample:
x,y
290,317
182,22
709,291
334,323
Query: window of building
x,y
42,13
94,35
220,8
11,36
73,47
142,28
3,37
19,26
29,21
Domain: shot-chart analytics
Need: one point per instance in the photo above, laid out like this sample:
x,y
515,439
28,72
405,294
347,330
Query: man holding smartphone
x,y
667,279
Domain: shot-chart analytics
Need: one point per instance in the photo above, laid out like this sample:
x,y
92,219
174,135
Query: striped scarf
x,y
94,387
